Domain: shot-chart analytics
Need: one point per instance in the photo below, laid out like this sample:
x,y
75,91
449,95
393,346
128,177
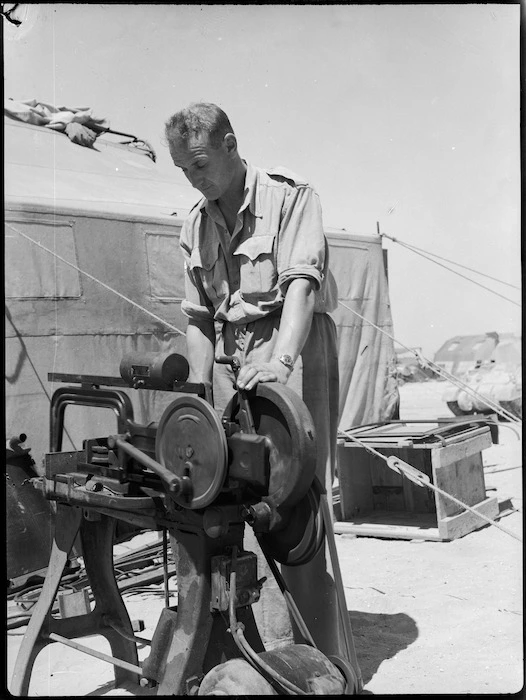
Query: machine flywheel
x,y
280,415
191,442
303,533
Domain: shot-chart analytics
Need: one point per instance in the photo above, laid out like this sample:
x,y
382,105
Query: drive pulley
x,y
191,443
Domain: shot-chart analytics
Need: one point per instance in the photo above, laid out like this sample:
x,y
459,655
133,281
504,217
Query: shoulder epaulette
x,y
285,175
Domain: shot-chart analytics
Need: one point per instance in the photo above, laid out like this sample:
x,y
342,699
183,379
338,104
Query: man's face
x,y
210,170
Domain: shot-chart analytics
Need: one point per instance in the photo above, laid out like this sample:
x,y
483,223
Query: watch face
x,y
287,361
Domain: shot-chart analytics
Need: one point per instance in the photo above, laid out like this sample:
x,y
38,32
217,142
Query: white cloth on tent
x,y
43,114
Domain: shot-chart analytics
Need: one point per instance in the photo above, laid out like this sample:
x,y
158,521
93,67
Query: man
x,y
258,287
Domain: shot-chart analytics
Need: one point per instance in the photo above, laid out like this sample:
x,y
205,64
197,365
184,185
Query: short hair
x,y
200,118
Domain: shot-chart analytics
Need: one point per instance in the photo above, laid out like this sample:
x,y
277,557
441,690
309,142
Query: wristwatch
x,y
287,361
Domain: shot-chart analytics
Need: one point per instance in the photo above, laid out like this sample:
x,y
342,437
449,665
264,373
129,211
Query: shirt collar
x,y
251,199
252,196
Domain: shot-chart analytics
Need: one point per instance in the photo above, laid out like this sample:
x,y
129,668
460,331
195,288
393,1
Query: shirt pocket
x,y
257,266
205,263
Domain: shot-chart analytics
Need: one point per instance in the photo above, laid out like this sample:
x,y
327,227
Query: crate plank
x,y
463,479
455,526
456,451
391,525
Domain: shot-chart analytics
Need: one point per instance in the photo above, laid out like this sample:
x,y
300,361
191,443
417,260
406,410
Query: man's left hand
x,y
251,374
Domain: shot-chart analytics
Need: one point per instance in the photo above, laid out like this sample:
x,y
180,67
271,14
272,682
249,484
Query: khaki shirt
x,y
278,236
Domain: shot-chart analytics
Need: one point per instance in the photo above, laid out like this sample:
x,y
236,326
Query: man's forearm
x,y
200,342
294,328
296,318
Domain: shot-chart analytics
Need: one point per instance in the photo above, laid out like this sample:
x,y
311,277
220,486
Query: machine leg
x,y
188,643
97,543
67,523
97,546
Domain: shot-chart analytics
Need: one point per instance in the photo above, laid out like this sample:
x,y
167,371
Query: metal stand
x,y
208,478
97,543
188,641
193,640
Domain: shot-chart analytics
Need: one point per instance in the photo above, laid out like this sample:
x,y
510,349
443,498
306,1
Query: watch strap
x,y
287,361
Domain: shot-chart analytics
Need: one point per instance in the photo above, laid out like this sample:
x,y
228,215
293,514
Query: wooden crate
x,y
376,501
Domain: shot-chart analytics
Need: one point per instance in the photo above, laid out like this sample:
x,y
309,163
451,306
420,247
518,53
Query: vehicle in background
x,y
462,352
410,369
498,378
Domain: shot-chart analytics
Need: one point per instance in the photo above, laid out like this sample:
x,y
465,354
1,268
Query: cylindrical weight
x,y
154,370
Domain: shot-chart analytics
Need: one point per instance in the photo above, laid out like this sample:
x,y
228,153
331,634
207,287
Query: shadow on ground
x,y
378,637
127,689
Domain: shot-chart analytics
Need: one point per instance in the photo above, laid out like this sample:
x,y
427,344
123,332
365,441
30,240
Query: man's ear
x,y
230,143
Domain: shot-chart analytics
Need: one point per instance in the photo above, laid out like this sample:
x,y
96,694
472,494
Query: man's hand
x,y
80,134
251,374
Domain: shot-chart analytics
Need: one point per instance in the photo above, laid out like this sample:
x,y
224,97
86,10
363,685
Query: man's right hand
x,y
80,134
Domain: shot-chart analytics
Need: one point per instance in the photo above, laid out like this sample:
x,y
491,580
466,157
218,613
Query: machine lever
x,y
245,414
231,360
174,483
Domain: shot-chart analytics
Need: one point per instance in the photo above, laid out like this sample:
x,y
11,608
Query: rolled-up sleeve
x,y
301,244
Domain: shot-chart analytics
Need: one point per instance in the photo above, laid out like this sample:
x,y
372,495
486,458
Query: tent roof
x,y
43,168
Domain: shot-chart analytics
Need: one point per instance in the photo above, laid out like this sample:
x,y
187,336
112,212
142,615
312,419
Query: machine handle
x,y
231,360
245,414
174,483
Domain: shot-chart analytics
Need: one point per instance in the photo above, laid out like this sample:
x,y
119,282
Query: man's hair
x,y
199,118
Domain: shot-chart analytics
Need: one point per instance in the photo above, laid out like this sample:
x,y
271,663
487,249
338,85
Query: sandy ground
x,y
427,617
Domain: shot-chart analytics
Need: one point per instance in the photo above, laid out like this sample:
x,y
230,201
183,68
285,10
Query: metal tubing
x,y
123,633
115,400
98,654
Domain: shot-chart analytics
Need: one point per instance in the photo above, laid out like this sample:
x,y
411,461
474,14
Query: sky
x,y
404,118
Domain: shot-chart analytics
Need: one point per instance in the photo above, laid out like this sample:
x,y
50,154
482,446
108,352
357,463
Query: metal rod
x,y
165,569
98,654
92,379
172,480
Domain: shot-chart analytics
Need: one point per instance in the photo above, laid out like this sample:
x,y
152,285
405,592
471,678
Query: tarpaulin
x,y
366,357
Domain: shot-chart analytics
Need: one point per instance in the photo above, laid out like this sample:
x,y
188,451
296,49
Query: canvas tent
x,y
110,212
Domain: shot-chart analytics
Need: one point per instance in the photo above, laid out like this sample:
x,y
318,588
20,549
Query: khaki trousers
x,y
315,379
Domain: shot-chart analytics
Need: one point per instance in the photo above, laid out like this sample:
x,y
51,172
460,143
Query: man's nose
x,y
194,179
